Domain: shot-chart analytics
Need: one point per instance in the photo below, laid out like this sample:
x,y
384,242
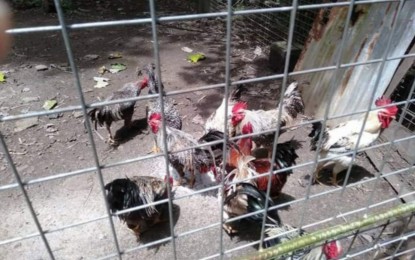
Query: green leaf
x,y
50,104
195,57
2,77
117,67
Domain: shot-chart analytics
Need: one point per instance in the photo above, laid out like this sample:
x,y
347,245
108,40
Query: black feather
x,y
256,201
286,153
315,133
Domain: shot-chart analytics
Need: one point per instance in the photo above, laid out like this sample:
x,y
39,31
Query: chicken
x,y
244,198
187,160
216,121
136,191
285,157
267,120
171,113
261,163
329,250
121,111
343,138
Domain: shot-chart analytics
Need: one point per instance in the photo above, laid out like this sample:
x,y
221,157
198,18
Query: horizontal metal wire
x,y
314,196
98,167
182,17
191,90
142,158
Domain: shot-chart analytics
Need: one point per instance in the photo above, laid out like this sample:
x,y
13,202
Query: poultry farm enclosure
x,y
54,165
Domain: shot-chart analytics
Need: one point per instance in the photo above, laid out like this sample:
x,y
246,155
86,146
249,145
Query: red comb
x,y
154,116
238,106
382,101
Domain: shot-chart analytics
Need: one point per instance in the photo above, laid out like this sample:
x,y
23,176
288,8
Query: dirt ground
x,y
59,145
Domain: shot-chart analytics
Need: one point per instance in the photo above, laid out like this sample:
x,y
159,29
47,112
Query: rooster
x,y
187,160
121,111
261,164
266,120
136,191
327,251
171,113
244,198
343,138
216,121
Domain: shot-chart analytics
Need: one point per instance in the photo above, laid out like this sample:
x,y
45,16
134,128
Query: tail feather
x,y
154,84
286,153
256,202
315,133
95,115
293,102
215,135
237,92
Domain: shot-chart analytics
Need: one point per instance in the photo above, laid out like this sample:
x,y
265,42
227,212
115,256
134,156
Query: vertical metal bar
x,y
332,90
163,118
26,196
226,95
71,60
372,98
277,131
391,145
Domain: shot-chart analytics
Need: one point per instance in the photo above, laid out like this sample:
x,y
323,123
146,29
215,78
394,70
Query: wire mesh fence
x,y
385,236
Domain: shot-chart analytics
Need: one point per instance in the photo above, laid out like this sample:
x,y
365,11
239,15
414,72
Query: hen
x,y
343,138
327,251
171,113
262,120
177,140
121,111
216,121
136,191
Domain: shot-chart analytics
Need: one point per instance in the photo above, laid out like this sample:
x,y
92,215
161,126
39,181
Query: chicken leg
x,y
110,140
336,170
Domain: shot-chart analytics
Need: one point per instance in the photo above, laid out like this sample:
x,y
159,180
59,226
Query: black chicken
x,y
136,191
120,111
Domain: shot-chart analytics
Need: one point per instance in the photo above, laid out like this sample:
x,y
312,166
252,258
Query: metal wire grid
x,y
63,27
266,28
400,93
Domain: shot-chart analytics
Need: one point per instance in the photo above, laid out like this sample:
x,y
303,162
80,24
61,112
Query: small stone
x,y
90,57
198,120
30,99
55,116
78,114
50,128
41,67
25,89
25,124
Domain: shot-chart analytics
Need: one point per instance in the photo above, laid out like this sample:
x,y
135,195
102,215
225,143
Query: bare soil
x,y
60,145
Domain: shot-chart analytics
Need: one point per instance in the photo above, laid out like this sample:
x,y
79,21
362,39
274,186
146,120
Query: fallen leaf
x,y
196,57
117,67
50,104
102,70
101,82
2,77
115,55
51,128
187,49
